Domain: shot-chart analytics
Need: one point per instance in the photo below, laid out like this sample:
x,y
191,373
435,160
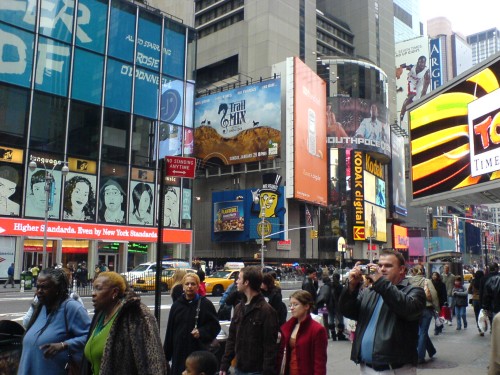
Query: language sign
x,y
178,166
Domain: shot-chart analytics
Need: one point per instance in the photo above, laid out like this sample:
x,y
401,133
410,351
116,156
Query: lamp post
x,y
49,180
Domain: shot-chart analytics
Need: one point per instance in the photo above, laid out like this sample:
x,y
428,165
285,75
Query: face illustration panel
x,y
141,203
79,197
9,181
171,207
36,195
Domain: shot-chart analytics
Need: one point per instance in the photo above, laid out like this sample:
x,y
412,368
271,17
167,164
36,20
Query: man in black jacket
x,y
387,315
490,292
310,285
253,332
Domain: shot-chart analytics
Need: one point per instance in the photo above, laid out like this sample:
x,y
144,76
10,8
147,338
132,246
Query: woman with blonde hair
x,y
303,346
192,324
124,337
176,290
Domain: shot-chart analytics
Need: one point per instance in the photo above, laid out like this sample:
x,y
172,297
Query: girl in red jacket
x,y
303,341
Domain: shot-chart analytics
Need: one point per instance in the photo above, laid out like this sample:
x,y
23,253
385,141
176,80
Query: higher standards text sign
x,y
177,166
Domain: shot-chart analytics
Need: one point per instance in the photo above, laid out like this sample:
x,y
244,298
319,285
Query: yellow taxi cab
x,y
148,283
219,281
468,276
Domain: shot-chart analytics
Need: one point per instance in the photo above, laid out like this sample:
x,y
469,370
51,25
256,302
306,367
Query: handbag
x,y
283,363
71,368
212,346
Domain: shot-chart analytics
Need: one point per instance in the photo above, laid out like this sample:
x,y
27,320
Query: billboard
x,y
229,216
412,74
310,159
398,186
358,124
11,180
400,239
239,125
454,139
437,63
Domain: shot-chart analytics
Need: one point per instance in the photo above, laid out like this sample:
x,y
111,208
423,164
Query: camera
x,y
365,270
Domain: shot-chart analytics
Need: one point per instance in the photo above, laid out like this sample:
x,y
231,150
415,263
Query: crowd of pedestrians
x,y
392,311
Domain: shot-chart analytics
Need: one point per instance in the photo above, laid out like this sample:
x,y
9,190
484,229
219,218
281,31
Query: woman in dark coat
x,y
186,334
442,296
272,294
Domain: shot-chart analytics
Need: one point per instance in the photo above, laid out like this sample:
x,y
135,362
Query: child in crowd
x,y
459,294
201,362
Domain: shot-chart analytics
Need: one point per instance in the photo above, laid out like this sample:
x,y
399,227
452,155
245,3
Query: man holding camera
x,y
387,315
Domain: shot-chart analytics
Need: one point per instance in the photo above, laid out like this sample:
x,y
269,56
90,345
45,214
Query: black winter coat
x,y
179,342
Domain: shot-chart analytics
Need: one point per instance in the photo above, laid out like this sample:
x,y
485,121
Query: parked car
x,y
148,283
149,268
218,282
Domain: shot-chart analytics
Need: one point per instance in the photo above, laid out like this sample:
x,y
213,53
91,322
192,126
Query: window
x,y
143,140
83,130
13,115
48,123
115,136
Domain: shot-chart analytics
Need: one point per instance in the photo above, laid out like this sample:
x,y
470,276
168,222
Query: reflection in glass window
x,y
52,70
170,140
48,122
118,85
87,76
83,132
172,93
91,24
115,136
122,31
143,138
13,115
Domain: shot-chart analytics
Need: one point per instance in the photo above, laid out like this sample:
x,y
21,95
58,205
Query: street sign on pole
x,y
179,166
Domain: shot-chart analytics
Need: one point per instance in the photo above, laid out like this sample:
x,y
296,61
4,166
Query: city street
x,y
458,352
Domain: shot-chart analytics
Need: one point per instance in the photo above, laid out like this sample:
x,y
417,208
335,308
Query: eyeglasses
x,y
294,305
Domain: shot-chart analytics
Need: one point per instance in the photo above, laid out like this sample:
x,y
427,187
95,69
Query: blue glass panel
x,y
122,31
173,53
172,97
87,76
148,42
19,13
146,93
91,24
170,140
188,114
52,69
118,85
56,19
16,58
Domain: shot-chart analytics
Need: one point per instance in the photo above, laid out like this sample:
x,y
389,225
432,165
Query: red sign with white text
x,y
65,230
177,166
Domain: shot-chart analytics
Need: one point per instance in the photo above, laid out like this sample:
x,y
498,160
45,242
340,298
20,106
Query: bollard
x,y
22,286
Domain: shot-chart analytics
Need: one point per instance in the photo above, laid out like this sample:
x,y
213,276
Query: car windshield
x,y
220,274
168,273
141,268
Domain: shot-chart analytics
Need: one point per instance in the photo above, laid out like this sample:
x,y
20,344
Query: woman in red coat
x,y
303,341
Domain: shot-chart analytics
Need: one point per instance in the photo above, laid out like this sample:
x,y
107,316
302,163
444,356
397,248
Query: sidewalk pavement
x,y
458,352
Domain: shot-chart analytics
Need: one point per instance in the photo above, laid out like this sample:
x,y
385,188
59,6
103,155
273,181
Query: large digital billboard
x,y
398,186
358,124
454,135
310,159
239,125
413,74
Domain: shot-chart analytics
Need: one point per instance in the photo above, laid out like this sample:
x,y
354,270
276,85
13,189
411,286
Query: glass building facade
x,y
105,87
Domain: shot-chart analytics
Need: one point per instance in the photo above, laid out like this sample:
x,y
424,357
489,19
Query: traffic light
x,y
314,233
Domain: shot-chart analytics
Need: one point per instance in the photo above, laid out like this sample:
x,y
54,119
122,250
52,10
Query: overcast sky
x,y
466,16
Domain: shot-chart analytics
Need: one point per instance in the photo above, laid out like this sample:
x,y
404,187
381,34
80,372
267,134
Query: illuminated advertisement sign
x,y
357,189
412,74
309,135
375,222
229,216
358,124
239,125
400,237
455,141
398,187
436,62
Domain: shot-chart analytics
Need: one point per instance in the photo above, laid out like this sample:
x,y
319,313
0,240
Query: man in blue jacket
x,y
10,276
387,315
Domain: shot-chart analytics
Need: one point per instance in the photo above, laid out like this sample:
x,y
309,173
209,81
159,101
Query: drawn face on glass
x,y
170,203
7,188
113,198
38,190
144,203
80,196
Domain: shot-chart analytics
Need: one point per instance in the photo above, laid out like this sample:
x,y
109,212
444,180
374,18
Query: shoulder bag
x,y
214,345
72,368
